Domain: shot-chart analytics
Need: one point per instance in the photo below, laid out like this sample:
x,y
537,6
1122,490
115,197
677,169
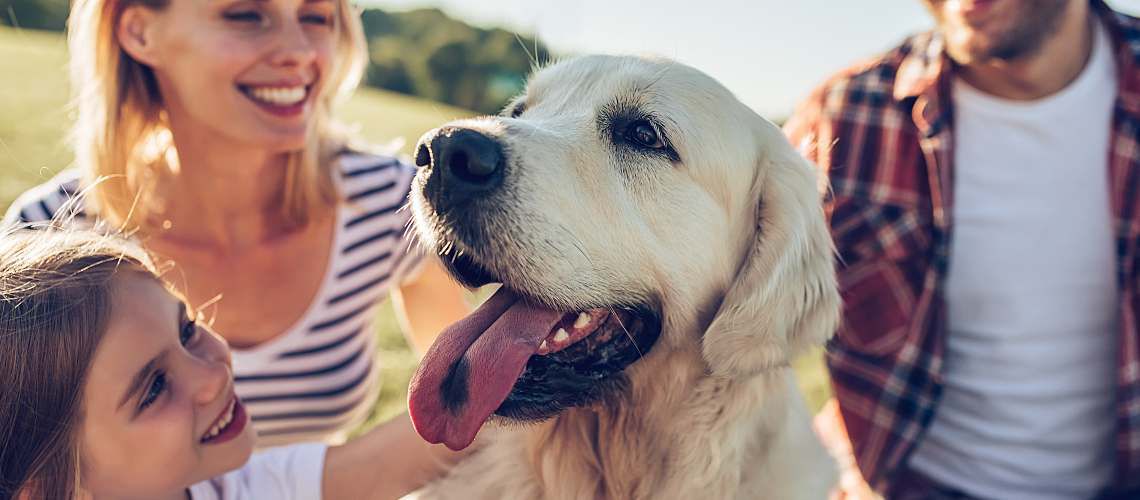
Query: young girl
x,y
207,126
114,390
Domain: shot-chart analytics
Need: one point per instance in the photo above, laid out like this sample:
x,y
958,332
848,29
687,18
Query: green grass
x,y
34,118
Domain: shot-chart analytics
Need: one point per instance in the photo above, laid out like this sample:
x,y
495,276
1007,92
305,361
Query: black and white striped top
x,y
317,380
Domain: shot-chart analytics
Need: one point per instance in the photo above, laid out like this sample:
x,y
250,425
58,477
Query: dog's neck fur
x,y
654,442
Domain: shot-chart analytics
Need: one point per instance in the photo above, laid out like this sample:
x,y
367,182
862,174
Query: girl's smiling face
x,y
159,410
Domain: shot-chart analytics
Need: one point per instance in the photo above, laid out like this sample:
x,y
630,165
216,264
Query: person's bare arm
x,y
427,304
828,424
387,462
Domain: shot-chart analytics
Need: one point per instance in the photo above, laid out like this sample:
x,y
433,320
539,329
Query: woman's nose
x,y
295,47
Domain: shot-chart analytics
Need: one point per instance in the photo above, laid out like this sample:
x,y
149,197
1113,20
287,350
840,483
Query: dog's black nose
x,y
464,162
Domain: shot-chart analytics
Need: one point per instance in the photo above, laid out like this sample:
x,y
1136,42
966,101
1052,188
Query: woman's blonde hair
x,y
121,135
55,302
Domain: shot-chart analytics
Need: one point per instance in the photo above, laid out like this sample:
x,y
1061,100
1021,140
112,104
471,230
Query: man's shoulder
x,y
1126,25
871,80
863,96
1126,32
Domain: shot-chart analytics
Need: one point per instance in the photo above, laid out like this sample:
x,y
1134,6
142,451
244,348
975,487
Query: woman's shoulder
x,y
367,177
58,197
361,162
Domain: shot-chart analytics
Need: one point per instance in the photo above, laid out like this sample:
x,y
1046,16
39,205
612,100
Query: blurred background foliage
x,y
421,52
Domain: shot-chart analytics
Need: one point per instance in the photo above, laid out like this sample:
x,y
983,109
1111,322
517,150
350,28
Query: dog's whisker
x,y
529,55
578,245
409,234
661,74
627,333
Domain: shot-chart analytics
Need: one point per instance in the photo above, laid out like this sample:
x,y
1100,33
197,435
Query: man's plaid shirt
x,y
884,133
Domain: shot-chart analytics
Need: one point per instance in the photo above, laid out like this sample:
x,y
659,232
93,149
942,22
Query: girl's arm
x,y
388,462
428,303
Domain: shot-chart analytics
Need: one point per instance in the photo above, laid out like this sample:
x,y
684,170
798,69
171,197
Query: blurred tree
x,y
388,68
447,60
34,14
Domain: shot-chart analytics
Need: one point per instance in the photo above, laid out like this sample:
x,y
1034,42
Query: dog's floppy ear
x,y
784,297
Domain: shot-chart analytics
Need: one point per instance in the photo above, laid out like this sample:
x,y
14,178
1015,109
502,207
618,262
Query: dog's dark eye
x,y
644,134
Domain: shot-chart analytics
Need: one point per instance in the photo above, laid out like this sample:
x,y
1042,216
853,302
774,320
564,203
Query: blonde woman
x,y
207,125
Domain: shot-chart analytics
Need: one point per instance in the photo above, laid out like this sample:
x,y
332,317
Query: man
x,y
985,202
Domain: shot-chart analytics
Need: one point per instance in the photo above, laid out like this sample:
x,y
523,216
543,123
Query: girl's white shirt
x,y
283,473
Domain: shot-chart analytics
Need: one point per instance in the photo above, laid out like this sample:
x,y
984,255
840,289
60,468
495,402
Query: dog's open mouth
x,y
522,360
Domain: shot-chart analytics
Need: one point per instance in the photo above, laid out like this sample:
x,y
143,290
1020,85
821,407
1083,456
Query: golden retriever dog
x,y
662,254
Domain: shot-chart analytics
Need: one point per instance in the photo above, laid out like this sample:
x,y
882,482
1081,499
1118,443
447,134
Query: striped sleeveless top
x,y
317,380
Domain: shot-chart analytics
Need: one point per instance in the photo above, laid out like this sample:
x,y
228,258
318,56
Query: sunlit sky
x,y
769,52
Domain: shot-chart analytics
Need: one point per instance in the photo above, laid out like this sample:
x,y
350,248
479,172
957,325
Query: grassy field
x,y
34,118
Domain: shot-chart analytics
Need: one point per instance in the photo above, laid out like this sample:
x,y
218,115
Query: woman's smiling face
x,y
159,410
248,71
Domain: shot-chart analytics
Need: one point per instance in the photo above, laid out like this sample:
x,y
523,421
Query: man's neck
x,y
1052,67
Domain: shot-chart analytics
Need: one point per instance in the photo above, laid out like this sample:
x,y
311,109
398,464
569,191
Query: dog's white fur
x,y
730,242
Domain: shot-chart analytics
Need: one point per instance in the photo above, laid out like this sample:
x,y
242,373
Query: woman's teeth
x,y
221,424
278,96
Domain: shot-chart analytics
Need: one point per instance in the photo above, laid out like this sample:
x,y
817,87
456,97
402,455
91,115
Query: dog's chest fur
x,y
693,436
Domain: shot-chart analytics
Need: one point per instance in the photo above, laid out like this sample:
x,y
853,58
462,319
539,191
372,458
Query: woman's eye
x,y
189,331
245,17
317,19
644,134
153,391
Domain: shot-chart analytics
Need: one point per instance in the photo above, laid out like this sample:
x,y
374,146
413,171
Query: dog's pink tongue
x,y
472,366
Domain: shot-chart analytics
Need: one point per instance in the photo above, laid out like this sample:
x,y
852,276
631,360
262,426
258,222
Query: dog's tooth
x,y
543,345
582,321
561,335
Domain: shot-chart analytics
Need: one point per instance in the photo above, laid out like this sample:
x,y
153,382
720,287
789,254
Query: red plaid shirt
x,y
883,131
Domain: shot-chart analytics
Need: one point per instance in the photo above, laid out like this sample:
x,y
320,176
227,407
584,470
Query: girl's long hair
x,y
121,135
55,296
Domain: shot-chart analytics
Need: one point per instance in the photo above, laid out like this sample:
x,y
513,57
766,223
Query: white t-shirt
x,y
1027,407
284,473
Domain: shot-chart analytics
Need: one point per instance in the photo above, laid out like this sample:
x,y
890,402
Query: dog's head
x,y
626,205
